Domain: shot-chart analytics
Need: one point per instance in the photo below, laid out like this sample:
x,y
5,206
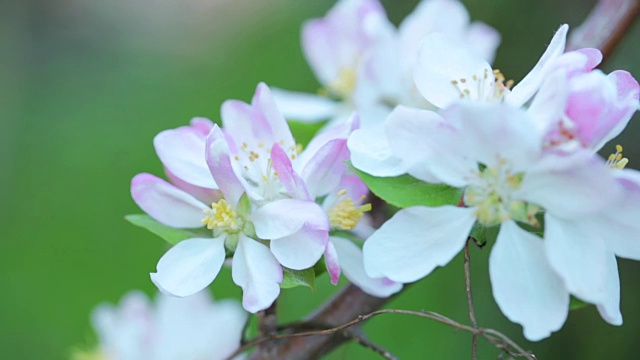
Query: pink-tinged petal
x,y
524,285
484,40
304,107
337,41
625,105
166,203
619,224
300,250
442,61
182,150
570,185
577,62
294,184
264,102
578,256
354,187
609,307
201,125
594,58
245,124
332,263
189,266
257,272
416,240
427,18
219,162
528,86
205,195
341,130
370,152
353,268
325,169
285,217
547,107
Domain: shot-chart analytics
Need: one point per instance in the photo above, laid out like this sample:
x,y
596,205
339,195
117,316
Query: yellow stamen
x,y
345,214
616,161
221,216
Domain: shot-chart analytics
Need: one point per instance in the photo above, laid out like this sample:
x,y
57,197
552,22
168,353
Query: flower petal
x,y
609,307
295,185
166,203
525,287
442,61
304,107
370,152
301,250
332,263
257,272
524,90
483,39
353,268
416,240
219,162
285,217
324,170
578,256
189,266
182,151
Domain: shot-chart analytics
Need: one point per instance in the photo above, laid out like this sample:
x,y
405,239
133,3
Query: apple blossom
x,y
506,181
173,328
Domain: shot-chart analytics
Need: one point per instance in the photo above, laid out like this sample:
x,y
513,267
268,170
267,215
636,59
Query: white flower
x,y
171,329
495,152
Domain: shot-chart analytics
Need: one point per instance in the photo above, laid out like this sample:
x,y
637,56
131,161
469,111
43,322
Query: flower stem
x,y
472,314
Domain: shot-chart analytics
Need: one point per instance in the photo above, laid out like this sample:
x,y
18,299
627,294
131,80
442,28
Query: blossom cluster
x,y
421,100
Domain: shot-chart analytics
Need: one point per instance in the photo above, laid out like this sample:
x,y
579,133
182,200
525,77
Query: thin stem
x,y
268,326
495,337
360,338
472,313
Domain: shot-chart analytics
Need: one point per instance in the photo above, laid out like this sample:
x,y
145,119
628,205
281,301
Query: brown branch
x,y
472,313
267,326
346,304
500,340
605,26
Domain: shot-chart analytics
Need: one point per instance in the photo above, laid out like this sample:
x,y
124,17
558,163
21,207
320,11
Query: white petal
x,y
370,152
441,61
483,39
578,256
416,240
525,287
281,218
528,86
609,307
257,272
352,265
166,203
323,172
219,163
547,107
189,266
304,107
182,151
300,250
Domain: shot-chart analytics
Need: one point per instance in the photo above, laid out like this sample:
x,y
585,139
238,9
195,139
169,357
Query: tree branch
x,y
500,340
605,26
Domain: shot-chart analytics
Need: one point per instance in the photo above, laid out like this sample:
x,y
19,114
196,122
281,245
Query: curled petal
x,y
287,216
300,250
219,162
295,185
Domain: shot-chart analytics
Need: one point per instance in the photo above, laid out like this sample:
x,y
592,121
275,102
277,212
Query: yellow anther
x,y
221,216
617,161
245,145
345,214
454,82
260,144
237,158
463,80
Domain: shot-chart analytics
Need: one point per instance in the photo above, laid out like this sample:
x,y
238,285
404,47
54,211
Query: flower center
x,y
222,217
616,161
345,214
492,191
343,86
483,88
258,167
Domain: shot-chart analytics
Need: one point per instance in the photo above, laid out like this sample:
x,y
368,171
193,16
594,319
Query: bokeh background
x,y
84,87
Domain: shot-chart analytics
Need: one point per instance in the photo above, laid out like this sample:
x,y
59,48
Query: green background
x,y
85,85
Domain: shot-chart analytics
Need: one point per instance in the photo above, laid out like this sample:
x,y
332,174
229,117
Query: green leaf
x,y
293,278
171,235
303,132
576,303
405,190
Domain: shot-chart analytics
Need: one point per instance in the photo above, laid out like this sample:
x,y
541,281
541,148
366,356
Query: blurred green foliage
x,y
86,86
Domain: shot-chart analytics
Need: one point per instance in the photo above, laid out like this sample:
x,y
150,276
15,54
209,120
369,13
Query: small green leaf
x,y
576,303
244,205
293,278
303,131
171,235
405,190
